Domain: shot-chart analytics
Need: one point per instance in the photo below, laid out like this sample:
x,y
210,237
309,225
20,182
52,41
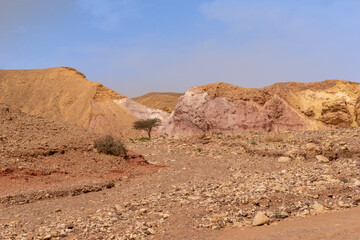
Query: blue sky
x,y
139,46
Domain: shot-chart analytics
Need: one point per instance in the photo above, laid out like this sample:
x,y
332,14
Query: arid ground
x,y
197,187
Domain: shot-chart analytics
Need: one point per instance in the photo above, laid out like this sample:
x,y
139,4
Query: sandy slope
x,y
65,94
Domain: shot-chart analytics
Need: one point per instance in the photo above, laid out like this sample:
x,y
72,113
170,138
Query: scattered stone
x,y
318,208
356,183
322,159
260,219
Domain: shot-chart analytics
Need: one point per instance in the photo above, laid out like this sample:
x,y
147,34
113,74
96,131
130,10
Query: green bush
x,y
110,146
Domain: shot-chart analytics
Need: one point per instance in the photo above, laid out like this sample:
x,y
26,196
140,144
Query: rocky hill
x,y
165,101
42,158
224,107
63,93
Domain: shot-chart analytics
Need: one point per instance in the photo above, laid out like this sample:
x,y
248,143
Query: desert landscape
x,y
226,162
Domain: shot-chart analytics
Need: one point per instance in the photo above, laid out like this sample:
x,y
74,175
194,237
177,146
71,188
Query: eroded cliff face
x,y
227,108
65,94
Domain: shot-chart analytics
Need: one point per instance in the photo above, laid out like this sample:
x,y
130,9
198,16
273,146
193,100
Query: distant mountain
x,y
165,101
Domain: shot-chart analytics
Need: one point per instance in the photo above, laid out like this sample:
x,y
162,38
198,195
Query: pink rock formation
x,y
222,107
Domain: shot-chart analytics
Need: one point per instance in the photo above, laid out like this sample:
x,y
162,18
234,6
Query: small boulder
x,y
322,159
284,159
260,219
311,147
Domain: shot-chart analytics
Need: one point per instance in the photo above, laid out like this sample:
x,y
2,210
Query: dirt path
x,y
344,224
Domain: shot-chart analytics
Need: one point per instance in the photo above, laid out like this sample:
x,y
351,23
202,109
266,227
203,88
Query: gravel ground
x,y
205,184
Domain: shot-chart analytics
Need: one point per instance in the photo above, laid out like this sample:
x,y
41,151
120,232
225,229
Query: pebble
x,y
284,159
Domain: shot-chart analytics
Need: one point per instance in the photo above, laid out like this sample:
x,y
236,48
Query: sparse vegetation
x,y
217,133
199,149
144,139
253,143
277,214
110,146
147,125
274,137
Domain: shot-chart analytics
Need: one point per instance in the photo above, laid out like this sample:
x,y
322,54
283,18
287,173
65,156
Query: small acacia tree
x,y
147,125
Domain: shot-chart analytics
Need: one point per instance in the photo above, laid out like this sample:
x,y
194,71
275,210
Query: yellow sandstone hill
x,y
63,93
165,101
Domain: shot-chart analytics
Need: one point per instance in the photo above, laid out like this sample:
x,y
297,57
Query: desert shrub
x,y
277,214
217,133
274,137
199,149
147,125
110,146
253,143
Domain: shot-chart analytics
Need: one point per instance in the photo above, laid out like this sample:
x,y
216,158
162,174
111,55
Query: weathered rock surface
x,y
140,111
228,108
65,94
